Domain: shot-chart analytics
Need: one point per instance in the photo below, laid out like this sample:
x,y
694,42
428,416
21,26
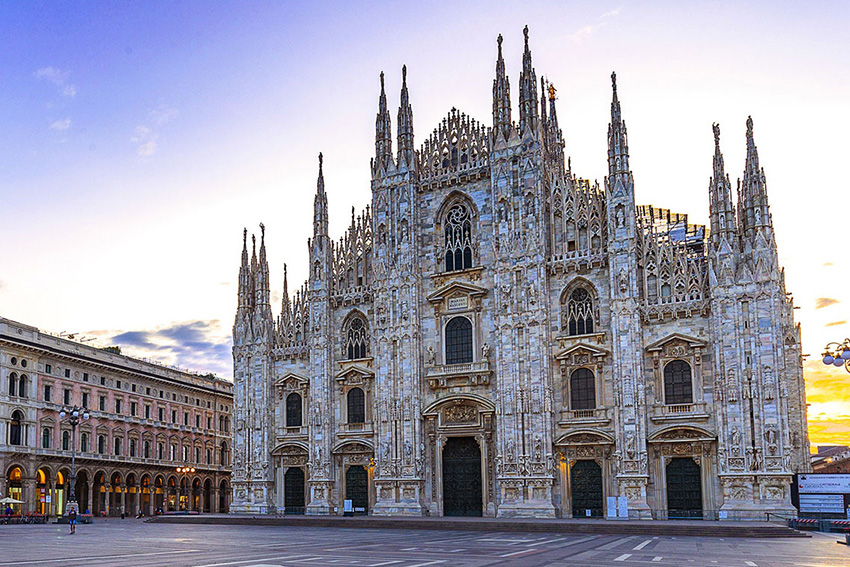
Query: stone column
x,y
107,498
151,498
138,499
90,507
123,490
215,500
51,507
29,494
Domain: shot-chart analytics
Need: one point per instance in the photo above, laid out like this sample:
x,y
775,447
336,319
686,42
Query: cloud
x,y
836,323
59,79
61,125
146,136
583,33
828,264
201,346
822,302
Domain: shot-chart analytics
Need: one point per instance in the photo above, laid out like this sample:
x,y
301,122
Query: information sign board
x,y
824,483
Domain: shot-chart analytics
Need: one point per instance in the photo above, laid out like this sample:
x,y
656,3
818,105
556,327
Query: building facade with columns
x,y
146,420
495,335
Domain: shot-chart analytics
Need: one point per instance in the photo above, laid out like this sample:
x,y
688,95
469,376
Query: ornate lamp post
x,y
185,471
74,416
838,354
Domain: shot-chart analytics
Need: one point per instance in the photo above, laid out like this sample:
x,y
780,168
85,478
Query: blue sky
x,y
138,138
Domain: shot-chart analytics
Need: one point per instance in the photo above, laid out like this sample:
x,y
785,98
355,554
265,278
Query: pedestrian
x,y
72,520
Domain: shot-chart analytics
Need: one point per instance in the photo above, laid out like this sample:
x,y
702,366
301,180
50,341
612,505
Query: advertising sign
x,y
824,484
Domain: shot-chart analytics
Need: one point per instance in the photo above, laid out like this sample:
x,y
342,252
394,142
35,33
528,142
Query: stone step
x,y
634,527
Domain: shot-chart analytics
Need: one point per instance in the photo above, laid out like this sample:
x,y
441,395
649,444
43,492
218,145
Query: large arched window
x,y
459,341
678,388
582,390
16,429
579,312
355,335
293,410
356,406
13,384
457,229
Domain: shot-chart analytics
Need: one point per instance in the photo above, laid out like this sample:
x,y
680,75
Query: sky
x,y
137,139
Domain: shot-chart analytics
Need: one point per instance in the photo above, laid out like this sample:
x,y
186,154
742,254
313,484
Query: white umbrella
x,y
10,500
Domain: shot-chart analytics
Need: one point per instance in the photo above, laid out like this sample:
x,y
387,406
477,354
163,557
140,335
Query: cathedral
x,y
496,336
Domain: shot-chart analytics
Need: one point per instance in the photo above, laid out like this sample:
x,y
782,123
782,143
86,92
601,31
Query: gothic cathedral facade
x,y
496,336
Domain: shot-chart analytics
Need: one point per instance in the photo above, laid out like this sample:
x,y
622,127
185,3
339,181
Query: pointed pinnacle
x,y
499,41
525,34
382,81
320,163
245,237
716,128
749,127
404,74
614,81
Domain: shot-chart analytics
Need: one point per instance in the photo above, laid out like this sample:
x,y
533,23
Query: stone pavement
x,y
138,544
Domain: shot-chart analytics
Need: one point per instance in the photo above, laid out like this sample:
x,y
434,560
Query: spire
x,y
618,144
721,210
320,205
262,274
501,98
286,307
405,124
244,274
383,133
527,90
752,190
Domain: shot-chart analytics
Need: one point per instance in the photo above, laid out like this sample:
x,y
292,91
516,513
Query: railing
x,y
450,369
357,427
680,408
583,413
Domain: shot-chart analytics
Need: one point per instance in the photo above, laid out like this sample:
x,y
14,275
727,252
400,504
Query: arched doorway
x,y
99,503
462,477
115,495
196,495
207,496
42,490
223,497
684,489
131,491
145,501
82,492
15,487
171,495
159,495
357,488
293,491
586,489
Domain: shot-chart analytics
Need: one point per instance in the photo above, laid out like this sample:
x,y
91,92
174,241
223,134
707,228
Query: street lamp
x,y
837,354
185,471
74,415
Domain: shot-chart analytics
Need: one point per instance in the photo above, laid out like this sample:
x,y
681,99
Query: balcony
x,y
457,375
354,429
290,432
584,417
676,412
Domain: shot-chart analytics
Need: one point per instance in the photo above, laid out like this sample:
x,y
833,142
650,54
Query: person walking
x,y
72,520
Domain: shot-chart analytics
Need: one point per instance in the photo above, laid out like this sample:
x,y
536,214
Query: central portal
x,y
461,477
357,488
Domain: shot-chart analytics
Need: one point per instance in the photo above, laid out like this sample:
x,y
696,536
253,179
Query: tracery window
x,y
579,312
293,410
458,238
678,388
356,406
355,339
458,341
582,390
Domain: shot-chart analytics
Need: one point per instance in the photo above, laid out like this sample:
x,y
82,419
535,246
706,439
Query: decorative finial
x,y
244,237
614,81
749,126
254,240
320,162
404,73
382,80
716,127
525,33
551,91
262,232
499,41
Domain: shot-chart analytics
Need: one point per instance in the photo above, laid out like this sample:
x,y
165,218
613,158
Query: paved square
x,y
135,543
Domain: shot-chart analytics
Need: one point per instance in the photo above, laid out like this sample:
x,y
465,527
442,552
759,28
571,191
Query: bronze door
x,y
293,491
462,477
357,488
586,489
684,489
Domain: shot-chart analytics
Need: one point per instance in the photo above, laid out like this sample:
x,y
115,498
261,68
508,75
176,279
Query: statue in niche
x,y
623,281
732,386
630,444
408,451
736,441
432,356
485,351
